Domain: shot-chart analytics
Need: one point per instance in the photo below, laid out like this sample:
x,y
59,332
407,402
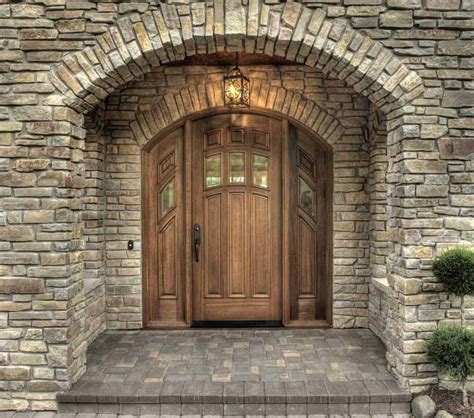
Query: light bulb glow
x,y
236,89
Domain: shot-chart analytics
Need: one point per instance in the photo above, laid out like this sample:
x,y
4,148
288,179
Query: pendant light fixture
x,y
236,87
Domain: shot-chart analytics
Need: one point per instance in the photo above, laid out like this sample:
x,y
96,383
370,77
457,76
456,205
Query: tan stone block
x,y
20,258
418,252
415,346
406,286
425,166
10,333
443,4
396,19
356,198
10,126
27,10
344,226
29,113
364,10
48,128
14,373
34,334
457,47
70,26
38,33
33,346
462,200
47,305
423,299
21,285
462,123
43,373
6,306
432,191
13,405
32,165
457,98
460,224
16,233
57,356
27,359
44,405
422,223
38,216
433,130
11,56
48,259
420,326
55,179
291,13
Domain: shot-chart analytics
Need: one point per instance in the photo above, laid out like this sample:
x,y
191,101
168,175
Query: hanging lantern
x,y
236,87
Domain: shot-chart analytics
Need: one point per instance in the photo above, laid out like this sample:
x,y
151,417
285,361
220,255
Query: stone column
x,y
41,344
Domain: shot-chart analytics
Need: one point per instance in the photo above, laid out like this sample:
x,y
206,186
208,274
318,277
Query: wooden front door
x,y
237,212
237,223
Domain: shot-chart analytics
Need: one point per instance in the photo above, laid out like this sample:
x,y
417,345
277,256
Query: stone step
x,y
236,398
380,409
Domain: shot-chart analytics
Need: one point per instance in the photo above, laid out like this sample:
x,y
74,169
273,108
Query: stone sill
x,y
381,284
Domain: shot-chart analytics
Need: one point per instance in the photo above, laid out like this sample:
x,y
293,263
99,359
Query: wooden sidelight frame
x,y
185,287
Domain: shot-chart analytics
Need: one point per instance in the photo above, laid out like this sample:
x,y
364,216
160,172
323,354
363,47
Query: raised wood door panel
x,y
260,188
309,220
163,228
237,201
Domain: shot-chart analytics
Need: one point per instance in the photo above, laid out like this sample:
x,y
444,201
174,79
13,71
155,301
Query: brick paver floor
x,y
236,372
256,355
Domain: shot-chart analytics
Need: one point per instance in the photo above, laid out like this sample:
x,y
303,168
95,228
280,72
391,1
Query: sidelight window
x,y
260,170
236,167
168,197
306,197
213,170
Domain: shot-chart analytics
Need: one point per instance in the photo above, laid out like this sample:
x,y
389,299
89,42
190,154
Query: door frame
x,y
186,123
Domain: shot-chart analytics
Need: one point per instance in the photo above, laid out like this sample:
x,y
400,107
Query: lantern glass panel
x,y
236,89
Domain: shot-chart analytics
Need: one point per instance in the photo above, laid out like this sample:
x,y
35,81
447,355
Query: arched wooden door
x,y
237,224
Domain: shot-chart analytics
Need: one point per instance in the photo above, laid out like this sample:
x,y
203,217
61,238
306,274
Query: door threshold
x,y
236,324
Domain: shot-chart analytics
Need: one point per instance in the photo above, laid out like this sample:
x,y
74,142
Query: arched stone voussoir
x,y
198,98
132,47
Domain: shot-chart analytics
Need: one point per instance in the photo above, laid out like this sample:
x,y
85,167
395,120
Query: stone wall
x,y
93,215
412,59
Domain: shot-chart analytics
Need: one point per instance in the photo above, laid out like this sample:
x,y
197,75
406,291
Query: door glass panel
x,y
307,200
213,170
260,170
167,197
236,167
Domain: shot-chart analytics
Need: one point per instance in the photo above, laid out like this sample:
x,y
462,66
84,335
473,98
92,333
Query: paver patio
x,y
214,371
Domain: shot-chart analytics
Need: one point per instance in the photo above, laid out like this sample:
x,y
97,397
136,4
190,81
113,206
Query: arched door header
x,y
196,99
134,45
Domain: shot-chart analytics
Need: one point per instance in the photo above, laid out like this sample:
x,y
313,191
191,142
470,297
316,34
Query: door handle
x,y
197,241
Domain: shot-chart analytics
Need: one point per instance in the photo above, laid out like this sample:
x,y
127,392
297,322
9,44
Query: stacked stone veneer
x,y
63,270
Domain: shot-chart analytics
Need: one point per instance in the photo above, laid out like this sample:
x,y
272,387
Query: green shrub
x,y
455,268
451,349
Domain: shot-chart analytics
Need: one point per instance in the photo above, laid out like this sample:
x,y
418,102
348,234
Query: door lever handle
x,y
197,241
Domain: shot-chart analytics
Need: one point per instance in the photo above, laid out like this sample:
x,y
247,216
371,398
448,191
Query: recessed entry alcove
x,y
283,194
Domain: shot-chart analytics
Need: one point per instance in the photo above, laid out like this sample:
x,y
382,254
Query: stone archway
x,y
131,48
192,99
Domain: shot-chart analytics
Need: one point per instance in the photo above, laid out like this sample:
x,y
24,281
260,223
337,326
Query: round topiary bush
x,y
455,268
451,350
